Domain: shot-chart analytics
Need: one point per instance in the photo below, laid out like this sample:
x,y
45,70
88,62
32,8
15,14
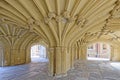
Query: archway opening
x,y
98,51
39,54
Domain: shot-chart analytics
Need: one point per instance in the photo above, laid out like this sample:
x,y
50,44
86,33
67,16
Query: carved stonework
x,y
74,18
37,22
51,15
2,19
31,28
59,18
115,37
64,18
31,21
81,22
47,20
67,18
66,14
116,11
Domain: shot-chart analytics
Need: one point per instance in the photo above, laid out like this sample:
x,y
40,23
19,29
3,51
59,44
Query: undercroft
x,y
64,27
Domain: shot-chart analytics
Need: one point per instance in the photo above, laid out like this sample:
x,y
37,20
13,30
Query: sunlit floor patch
x,y
116,65
102,59
37,59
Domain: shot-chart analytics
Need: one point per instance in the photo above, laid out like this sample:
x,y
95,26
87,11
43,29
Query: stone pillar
x,y
51,61
75,53
72,57
22,57
7,57
12,57
64,61
47,53
58,61
79,52
60,58
28,55
68,59
112,53
82,52
116,54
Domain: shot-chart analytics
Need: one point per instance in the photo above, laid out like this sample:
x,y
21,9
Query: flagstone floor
x,y
83,70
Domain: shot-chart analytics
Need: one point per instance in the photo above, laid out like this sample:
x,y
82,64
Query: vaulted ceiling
x,y
60,22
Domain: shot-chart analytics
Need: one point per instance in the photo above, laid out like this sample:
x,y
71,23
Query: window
x,y
90,47
104,46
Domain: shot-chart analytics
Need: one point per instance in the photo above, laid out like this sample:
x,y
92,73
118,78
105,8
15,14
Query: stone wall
x,y
1,56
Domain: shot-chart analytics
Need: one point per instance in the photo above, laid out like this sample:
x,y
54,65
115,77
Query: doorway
x,y
38,54
98,51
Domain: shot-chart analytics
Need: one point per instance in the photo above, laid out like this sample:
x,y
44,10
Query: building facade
x,y
99,50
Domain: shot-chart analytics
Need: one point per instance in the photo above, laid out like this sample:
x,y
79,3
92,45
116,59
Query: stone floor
x,y
84,70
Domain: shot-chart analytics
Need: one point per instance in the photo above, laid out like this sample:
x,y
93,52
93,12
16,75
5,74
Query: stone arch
x,y
32,43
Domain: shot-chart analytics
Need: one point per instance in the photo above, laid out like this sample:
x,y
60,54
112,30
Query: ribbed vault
x,y
66,26
58,21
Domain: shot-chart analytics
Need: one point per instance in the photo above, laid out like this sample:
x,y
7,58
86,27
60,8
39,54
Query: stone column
x,y
51,61
64,61
75,53
28,55
60,58
79,52
72,57
82,52
12,57
68,59
22,56
47,53
7,57
111,53
58,61
116,54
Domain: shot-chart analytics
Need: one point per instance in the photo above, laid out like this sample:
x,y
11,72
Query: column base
x,y
50,74
60,75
